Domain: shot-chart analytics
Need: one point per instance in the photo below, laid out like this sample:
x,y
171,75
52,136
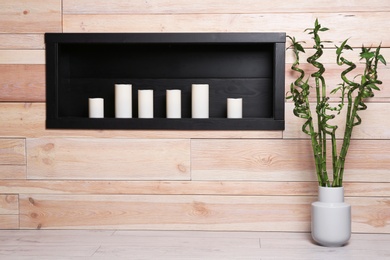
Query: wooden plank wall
x,y
180,180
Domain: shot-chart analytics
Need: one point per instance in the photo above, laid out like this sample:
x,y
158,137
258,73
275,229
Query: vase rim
x,y
331,194
331,187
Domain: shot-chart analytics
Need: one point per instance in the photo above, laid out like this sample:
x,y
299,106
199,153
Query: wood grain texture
x,y
121,159
250,213
8,172
370,214
371,24
219,6
22,57
240,188
181,180
165,212
16,41
287,160
25,16
82,187
9,204
12,151
9,221
28,120
22,83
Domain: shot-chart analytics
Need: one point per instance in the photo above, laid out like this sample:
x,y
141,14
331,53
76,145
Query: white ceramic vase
x,y
331,217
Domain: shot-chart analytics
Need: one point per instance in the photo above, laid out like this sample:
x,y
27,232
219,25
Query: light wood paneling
x,y
21,41
9,221
251,213
8,172
9,204
370,214
243,188
26,16
109,159
261,160
287,160
9,211
361,189
12,151
220,6
22,83
165,212
22,57
371,24
176,188
201,180
28,120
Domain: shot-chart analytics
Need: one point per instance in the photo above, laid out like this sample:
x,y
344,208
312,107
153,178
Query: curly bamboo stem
x,y
355,92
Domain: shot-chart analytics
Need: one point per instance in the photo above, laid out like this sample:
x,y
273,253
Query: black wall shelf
x,y
235,65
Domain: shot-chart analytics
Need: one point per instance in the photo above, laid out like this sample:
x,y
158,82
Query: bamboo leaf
x,y
382,59
316,23
334,91
373,86
299,47
367,55
342,47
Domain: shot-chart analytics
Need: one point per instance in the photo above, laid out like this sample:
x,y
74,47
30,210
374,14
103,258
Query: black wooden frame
x,y
247,65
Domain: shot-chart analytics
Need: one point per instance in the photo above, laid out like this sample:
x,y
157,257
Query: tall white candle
x,y
173,103
145,103
96,107
123,101
200,101
234,107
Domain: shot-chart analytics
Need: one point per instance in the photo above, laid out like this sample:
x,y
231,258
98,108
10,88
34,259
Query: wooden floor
x,y
116,244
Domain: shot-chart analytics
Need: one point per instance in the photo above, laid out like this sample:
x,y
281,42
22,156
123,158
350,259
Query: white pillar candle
x,y
200,101
123,101
234,107
145,103
96,107
173,103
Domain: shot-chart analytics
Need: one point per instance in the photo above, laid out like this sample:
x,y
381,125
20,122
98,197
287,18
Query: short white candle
x,y
234,107
200,100
96,107
173,103
123,101
145,103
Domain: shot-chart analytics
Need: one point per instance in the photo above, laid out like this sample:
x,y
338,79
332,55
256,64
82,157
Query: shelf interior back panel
x,y
232,70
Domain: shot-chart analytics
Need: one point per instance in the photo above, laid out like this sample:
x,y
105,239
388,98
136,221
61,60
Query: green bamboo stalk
x,y
320,97
355,93
368,83
300,92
